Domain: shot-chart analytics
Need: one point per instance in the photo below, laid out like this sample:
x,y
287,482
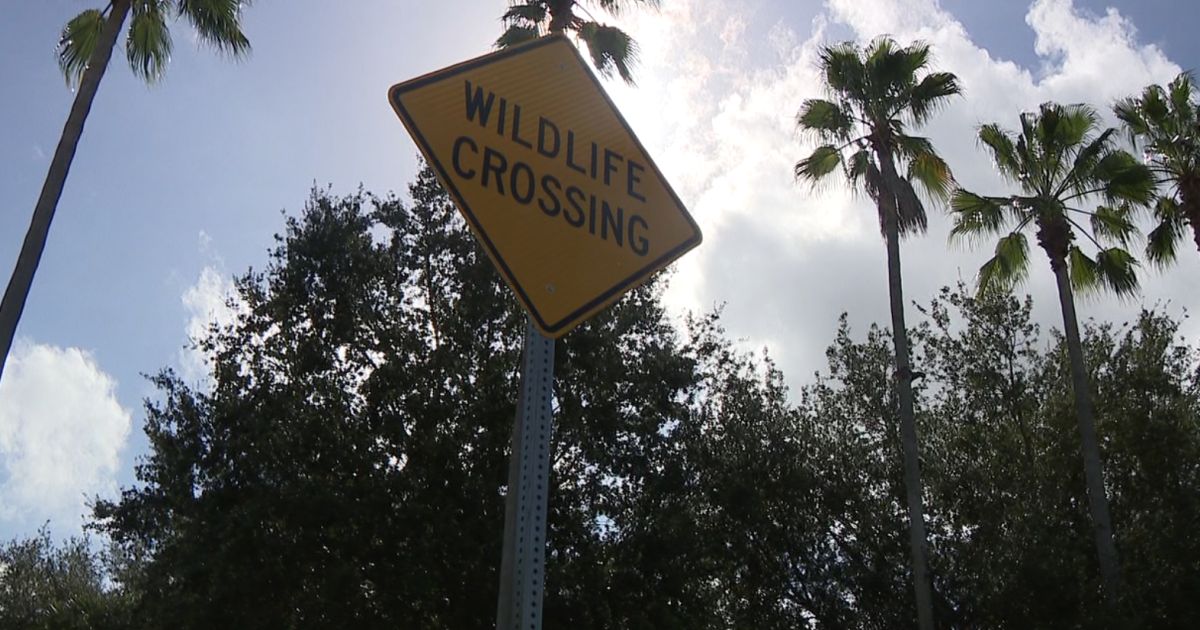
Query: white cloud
x,y
206,303
716,106
61,435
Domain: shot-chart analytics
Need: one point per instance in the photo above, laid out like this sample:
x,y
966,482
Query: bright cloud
x,y
61,435
716,109
206,303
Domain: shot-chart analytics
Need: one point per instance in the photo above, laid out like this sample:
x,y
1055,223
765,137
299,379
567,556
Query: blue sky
x,y
178,186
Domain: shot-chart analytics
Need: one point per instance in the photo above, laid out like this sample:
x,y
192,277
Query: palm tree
x,y
1167,122
83,53
1066,170
876,95
611,48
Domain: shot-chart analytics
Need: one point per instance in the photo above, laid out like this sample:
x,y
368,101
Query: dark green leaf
x,y
1113,223
218,23
612,49
823,161
826,120
148,44
1008,267
77,42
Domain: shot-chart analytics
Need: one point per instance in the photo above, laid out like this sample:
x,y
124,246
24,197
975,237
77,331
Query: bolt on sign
x,y
559,191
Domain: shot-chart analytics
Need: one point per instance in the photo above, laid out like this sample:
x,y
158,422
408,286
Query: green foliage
x,y
345,466
77,42
1065,168
148,43
1009,266
612,50
48,587
1009,518
877,93
1166,121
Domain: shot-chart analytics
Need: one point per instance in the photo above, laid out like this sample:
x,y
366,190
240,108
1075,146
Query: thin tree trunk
x,y
1195,223
1189,192
908,428
1093,471
43,213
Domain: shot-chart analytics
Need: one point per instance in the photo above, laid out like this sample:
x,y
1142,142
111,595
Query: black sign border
x,y
566,323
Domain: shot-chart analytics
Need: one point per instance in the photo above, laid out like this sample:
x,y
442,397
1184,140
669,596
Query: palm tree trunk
x,y
1097,498
908,427
1189,193
39,227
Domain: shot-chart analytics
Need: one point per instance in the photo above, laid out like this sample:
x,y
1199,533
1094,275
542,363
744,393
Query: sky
x,y
180,186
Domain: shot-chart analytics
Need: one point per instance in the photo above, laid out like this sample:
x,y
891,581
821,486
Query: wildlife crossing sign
x,y
562,196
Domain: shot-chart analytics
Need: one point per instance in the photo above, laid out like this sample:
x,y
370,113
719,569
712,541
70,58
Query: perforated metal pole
x,y
524,556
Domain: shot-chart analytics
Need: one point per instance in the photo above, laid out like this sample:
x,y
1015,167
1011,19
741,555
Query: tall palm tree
x,y
84,51
1167,124
611,48
1067,170
876,95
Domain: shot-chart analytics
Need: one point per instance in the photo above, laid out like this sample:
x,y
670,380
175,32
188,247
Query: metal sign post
x,y
567,203
522,564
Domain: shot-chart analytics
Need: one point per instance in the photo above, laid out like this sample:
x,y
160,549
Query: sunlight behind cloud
x,y
788,260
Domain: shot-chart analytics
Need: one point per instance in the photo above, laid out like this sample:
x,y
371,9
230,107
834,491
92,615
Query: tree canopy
x,y
345,465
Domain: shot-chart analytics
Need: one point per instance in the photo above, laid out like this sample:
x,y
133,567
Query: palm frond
x,y
218,23
929,170
842,68
1068,125
1084,271
611,48
1008,267
1154,107
897,64
1000,145
931,95
516,35
1132,114
148,43
1113,223
825,119
527,13
617,7
1113,269
876,190
1162,241
1117,270
911,147
1126,179
1182,90
76,43
976,217
911,215
1084,173
891,68
818,165
896,194
862,174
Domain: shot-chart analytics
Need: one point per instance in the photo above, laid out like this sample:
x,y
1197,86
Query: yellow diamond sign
x,y
566,201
